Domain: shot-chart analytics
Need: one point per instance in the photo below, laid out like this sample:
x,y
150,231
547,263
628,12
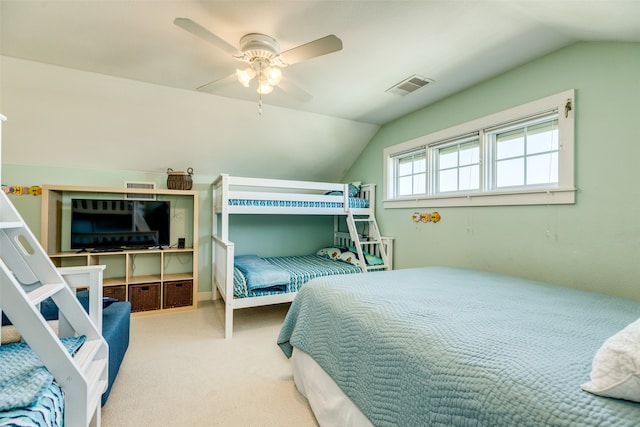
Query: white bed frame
x,y
227,187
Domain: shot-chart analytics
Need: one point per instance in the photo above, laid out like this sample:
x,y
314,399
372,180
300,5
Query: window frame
x,y
561,193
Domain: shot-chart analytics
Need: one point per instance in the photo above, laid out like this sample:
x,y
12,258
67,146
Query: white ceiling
x,y
455,43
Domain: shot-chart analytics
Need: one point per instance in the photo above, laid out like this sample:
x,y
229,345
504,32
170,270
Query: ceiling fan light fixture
x,y
265,89
274,75
262,53
245,76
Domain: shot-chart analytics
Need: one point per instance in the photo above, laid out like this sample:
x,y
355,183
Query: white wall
x,y
70,118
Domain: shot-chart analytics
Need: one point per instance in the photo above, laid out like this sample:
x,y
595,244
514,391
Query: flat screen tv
x,y
119,224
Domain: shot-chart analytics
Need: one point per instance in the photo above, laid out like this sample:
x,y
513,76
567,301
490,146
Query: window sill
x,y
555,196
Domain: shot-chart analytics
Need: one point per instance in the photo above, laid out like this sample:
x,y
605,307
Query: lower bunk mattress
x,y
301,269
445,346
29,395
47,411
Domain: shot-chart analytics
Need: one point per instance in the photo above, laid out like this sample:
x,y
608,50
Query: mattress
x,y
330,405
301,268
448,346
354,202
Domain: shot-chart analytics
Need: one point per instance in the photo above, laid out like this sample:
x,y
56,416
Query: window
x,y
526,155
520,156
410,173
457,166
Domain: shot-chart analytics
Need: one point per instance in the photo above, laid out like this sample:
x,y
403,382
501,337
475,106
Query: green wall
x,y
592,245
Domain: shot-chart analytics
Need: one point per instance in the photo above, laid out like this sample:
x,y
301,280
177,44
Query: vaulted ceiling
x,y
454,43
131,63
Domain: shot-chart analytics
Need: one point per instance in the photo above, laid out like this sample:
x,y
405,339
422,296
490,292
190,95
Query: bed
x,y
233,195
451,346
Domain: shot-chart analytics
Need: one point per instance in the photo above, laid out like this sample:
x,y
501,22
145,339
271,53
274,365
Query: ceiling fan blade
x,y
211,86
294,91
201,32
312,49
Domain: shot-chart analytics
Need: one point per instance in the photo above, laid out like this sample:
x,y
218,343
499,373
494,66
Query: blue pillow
x,y
353,191
49,309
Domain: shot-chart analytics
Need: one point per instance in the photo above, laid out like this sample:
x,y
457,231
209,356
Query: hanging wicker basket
x,y
179,180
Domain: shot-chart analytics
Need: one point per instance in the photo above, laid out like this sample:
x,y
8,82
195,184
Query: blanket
x,y
23,377
261,274
446,346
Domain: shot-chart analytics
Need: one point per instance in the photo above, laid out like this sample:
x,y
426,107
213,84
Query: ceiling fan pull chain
x,y
260,89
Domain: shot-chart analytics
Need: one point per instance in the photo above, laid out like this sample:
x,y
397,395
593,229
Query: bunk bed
x,y
233,195
29,394
454,346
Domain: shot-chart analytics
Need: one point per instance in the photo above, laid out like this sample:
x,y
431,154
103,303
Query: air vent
x,y
140,185
409,85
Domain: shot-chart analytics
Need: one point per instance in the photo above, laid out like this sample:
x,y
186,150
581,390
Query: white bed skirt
x,y
330,405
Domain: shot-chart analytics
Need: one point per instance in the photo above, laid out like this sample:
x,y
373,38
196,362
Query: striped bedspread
x,y
301,268
445,346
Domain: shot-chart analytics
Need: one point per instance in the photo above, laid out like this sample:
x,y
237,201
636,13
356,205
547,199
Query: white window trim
x,y
564,193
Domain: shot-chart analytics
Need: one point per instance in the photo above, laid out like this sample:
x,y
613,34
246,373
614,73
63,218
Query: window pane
x,y
510,172
405,185
542,169
510,144
419,183
420,164
469,154
405,166
448,180
470,178
542,137
448,157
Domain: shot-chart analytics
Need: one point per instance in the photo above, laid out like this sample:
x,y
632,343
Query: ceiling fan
x,y
265,61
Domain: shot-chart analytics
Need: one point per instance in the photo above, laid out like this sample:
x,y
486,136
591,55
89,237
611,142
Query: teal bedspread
x,y
442,346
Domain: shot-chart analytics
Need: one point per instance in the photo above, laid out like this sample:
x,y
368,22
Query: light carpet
x,y
180,371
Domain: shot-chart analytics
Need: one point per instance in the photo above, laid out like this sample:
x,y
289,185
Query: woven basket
x,y
179,180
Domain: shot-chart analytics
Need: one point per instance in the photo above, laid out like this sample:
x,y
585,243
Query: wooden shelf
x,y
128,267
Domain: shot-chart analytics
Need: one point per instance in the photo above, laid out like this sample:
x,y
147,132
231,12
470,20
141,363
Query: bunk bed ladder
x,y
28,277
372,240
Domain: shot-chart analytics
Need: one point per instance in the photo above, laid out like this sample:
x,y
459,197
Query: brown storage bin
x,y
178,294
118,292
145,296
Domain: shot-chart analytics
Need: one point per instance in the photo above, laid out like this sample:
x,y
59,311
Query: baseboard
x,y
204,296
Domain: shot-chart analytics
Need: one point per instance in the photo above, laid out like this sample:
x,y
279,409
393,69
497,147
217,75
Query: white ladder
x,y
28,277
370,239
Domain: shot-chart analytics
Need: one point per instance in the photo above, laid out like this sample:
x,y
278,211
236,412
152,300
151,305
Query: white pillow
x,y
616,366
333,253
10,333
349,257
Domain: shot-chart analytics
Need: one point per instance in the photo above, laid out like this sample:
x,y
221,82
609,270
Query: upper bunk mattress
x,y
354,202
449,346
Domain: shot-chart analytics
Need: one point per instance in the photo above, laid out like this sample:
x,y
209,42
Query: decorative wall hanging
x,y
425,217
20,190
